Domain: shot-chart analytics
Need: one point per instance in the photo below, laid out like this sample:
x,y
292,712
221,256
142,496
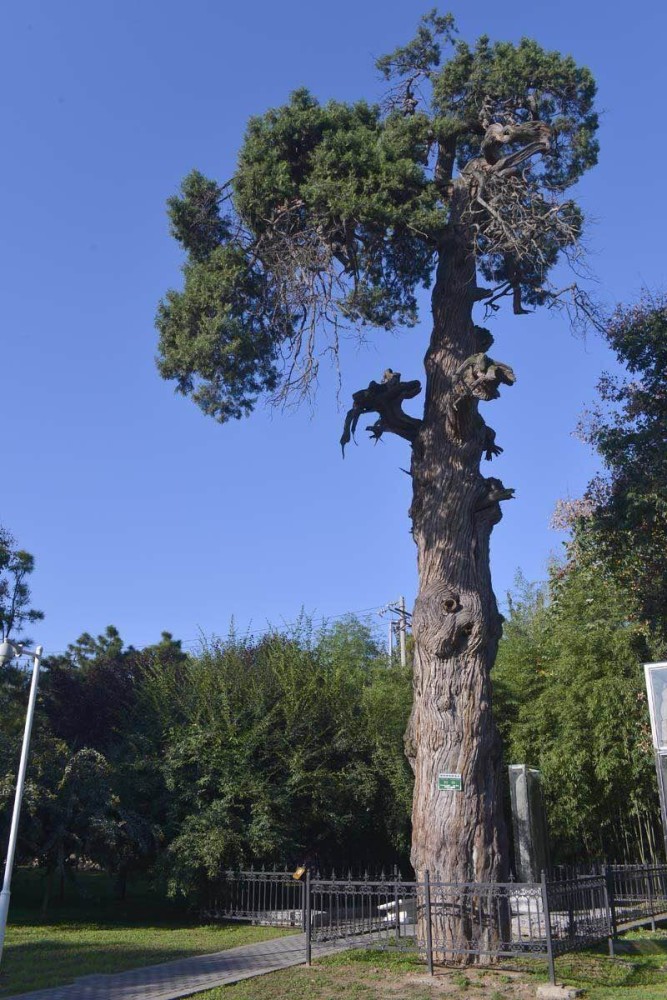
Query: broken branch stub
x,y
480,376
386,399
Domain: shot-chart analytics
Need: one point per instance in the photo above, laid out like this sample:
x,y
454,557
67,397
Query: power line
x,y
398,628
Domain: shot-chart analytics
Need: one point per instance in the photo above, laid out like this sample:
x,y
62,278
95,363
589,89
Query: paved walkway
x,y
171,980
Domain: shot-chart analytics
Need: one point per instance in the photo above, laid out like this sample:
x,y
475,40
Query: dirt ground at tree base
x,y
458,984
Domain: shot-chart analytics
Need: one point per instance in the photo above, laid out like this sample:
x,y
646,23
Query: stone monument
x,y
529,824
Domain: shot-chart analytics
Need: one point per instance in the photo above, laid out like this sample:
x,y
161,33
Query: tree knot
x,y
445,622
493,492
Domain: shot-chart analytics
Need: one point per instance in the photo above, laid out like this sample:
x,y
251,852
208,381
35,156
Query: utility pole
x,y
402,627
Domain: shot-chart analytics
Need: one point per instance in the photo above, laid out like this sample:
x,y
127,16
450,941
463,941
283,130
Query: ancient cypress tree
x,y
337,213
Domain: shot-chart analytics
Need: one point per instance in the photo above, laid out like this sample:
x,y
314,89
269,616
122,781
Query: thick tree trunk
x,y
458,836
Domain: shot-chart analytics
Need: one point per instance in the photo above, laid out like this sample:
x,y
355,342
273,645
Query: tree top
x,y
338,212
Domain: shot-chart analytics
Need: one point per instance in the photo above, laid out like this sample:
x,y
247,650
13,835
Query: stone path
x,y
181,978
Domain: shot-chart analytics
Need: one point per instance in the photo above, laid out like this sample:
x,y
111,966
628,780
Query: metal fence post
x,y
308,918
547,928
397,911
608,897
571,919
427,907
610,881
649,892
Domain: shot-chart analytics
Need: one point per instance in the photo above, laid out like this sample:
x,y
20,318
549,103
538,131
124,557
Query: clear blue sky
x,y
140,511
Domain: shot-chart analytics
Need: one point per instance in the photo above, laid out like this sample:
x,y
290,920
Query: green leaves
x,y
219,337
337,213
195,216
627,529
348,186
287,747
250,752
569,698
16,565
423,53
500,82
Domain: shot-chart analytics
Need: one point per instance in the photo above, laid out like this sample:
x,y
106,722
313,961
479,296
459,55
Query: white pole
x,y
390,647
402,631
20,781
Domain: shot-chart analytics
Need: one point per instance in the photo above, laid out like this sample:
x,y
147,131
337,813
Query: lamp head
x,y
7,652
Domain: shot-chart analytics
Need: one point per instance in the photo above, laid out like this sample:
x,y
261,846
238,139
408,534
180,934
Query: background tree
x,y
94,701
16,565
337,213
622,519
95,790
283,749
569,676
570,699
68,811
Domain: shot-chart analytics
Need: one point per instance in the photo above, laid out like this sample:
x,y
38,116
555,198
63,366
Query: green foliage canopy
x,y
250,752
626,506
281,750
337,213
16,565
570,699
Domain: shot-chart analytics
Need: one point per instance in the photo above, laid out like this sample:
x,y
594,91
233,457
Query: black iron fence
x,y
449,921
637,893
272,898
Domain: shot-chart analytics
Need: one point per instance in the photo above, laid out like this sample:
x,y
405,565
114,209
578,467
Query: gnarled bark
x,y
459,836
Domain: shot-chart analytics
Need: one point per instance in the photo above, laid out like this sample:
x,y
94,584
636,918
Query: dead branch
x,y
480,376
518,228
386,399
310,279
582,310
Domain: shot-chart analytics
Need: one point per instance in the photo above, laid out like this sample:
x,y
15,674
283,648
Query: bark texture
x,y
460,836
457,836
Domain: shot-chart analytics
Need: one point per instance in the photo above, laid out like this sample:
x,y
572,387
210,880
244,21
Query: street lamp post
x,y
7,652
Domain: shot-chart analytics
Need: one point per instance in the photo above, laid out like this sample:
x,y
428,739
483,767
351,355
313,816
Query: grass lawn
x,y
639,973
98,934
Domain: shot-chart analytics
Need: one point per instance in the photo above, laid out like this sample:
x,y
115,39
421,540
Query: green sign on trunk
x,y
449,782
